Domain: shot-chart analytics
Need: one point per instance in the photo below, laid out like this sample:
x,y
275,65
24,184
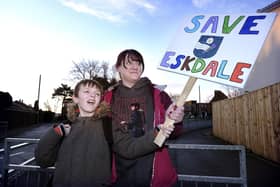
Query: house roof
x,y
18,106
270,7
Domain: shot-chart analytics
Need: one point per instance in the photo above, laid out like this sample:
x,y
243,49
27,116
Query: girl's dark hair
x,y
130,54
87,82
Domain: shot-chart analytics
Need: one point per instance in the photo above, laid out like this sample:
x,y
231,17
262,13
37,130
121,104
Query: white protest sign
x,y
218,48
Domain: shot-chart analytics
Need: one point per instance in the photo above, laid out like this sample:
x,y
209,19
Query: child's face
x,y
130,72
88,100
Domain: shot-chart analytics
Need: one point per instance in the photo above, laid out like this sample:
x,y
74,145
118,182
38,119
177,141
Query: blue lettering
x,y
221,70
246,29
195,21
213,20
178,60
166,58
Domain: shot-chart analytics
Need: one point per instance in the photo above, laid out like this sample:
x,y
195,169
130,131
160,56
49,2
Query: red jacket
x,y
164,173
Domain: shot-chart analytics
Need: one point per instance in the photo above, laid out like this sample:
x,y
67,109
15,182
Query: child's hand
x,y
62,129
67,129
166,130
175,113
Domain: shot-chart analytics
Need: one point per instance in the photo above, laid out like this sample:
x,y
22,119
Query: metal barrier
x,y
9,168
3,129
242,180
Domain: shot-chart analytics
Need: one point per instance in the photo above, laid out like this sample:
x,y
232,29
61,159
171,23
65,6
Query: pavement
x,y
260,171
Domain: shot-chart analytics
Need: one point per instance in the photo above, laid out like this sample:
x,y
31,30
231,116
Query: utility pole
x,y
38,99
199,94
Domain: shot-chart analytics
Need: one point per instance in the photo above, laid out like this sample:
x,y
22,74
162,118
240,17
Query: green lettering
x,y
198,66
226,28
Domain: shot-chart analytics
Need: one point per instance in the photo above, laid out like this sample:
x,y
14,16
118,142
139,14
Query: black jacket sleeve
x,y
130,147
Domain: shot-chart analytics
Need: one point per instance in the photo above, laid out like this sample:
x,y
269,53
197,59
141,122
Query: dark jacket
x,y
83,158
163,173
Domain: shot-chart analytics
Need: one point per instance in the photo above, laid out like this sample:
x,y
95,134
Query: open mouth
x,y
91,102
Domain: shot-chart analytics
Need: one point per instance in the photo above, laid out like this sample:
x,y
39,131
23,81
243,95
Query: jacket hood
x,y
142,82
101,111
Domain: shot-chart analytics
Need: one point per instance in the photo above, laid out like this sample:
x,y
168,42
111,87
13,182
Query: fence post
x,y
6,162
242,160
4,128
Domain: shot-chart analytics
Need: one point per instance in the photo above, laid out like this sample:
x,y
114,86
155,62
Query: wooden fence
x,y
252,120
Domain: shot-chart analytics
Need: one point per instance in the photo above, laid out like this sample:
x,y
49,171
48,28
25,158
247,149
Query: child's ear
x,y
75,99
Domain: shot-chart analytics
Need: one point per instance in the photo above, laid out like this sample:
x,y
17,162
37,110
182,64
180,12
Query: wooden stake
x,y
160,138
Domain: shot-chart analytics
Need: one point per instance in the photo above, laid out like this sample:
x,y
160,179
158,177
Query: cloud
x,y
110,10
201,3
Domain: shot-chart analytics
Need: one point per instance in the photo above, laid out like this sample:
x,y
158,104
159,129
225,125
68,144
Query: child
x,y
154,169
81,151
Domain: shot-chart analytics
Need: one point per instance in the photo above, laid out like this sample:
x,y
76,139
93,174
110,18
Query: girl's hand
x,y
175,113
166,130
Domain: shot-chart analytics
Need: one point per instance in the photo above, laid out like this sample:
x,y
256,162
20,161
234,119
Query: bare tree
x,y
105,69
232,91
47,106
93,69
89,69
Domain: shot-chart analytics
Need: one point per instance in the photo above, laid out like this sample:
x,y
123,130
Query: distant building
x,y
195,110
190,107
218,95
202,110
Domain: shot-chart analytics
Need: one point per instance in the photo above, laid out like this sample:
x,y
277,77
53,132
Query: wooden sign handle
x,y
160,138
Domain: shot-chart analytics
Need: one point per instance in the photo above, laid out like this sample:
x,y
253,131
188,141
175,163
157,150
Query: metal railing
x,y
25,166
241,180
3,129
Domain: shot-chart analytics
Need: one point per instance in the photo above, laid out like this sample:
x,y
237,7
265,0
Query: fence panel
x,y
212,180
252,120
26,173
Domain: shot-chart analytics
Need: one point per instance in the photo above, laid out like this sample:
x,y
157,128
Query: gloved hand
x,y
62,129
175,113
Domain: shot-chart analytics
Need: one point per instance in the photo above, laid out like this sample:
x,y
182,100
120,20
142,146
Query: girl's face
x,y
88,100
132,73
